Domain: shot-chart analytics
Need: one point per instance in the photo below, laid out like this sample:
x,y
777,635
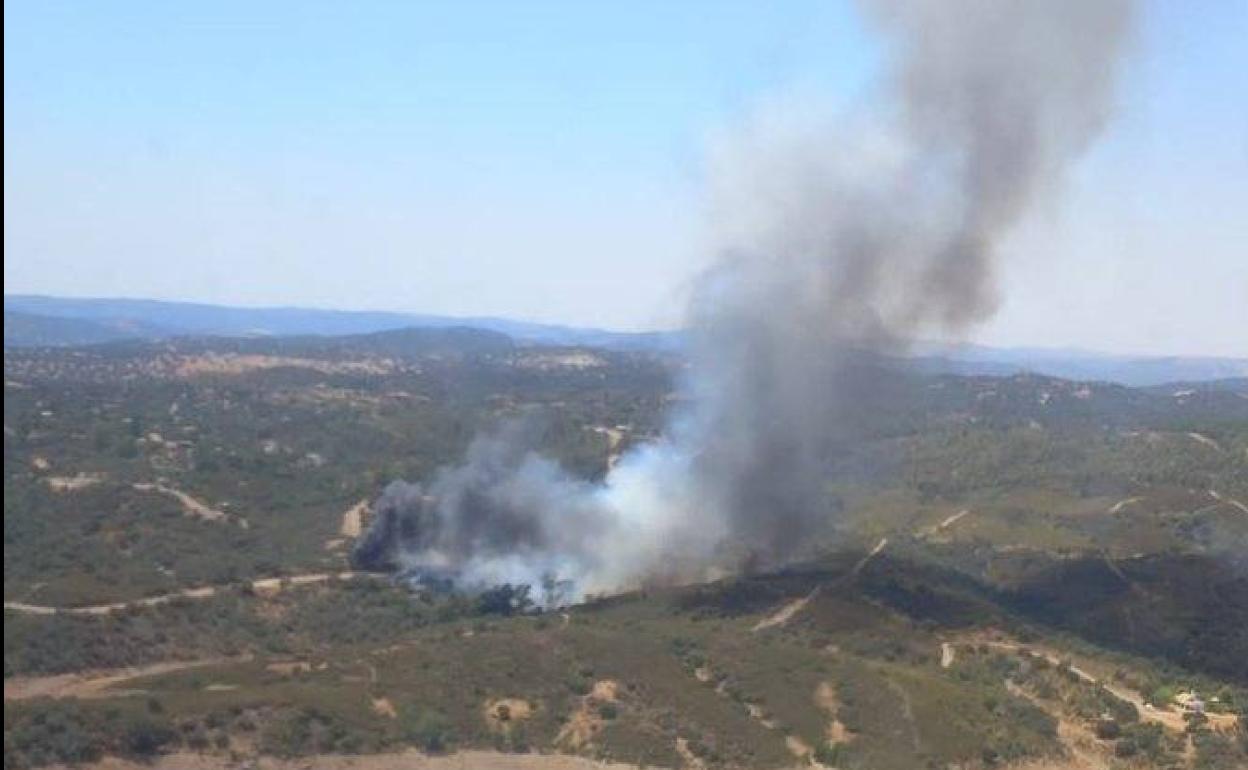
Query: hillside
x,y
159,320
33,330
1012,568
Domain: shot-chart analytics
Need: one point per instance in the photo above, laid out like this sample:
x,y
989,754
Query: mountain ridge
x,y
40,320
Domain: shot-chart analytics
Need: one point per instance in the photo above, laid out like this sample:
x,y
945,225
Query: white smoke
x,y
856,236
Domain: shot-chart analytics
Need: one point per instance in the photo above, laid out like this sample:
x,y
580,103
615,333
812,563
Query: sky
x,y
547,161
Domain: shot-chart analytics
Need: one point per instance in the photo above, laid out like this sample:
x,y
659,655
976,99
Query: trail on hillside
x,y
907,712
1228,500
1082,748
1172,720
873,553
936,530
190,505
265,586
99,683
785,613
1118,506
1200,438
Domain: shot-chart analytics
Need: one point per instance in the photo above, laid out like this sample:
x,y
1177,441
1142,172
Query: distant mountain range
x,y
1136,371
114,319
32,320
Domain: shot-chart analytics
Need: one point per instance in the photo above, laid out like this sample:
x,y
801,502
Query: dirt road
x,y
266,586
1118,506
190,505
785,613
1203,439
1228,500
97,684
1172,720
874,552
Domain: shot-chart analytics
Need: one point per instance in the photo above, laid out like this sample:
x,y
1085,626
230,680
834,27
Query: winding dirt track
x,y
266,586
1172,720
786,612
97,684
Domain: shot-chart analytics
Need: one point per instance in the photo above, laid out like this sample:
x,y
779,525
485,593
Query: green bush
x,y
1108,730
830,754
427,729
1141,739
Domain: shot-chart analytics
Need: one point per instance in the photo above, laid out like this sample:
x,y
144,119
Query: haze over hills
x,y
36,320
140,318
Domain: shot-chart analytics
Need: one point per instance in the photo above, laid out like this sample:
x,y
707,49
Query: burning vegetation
x,y
836,244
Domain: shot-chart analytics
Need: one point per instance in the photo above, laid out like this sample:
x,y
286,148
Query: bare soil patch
x,y
1118,506
502,713
385,707
289,667
948,654
785,613
353,519
234,364
74,483
826,699
1200,438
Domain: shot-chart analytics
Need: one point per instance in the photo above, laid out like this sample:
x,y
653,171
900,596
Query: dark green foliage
x,y
1145,739
505,599
830,754
1216,751
297,732
43,732
142,736
1108,730
427,729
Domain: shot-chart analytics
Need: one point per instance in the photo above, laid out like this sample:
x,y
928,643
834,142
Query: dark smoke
x,y
857,236
496,507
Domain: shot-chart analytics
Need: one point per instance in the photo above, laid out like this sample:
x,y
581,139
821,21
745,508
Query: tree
x,y
504,599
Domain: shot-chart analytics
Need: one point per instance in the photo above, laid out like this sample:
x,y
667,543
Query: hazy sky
x,y
546,160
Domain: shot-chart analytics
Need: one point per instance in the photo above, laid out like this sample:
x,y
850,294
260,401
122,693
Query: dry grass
x,y
233,364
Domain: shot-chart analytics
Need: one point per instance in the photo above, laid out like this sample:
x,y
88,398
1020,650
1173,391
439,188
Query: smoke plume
x,y
856,236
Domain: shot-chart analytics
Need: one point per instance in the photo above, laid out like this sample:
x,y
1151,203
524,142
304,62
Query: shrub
x,y
830,754
427,729
145,737
1140,738
1108,730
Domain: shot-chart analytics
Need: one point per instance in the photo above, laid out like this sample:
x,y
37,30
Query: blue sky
x,y
545,160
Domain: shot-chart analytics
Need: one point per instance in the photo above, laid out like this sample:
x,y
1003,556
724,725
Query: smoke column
x,y
858,236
